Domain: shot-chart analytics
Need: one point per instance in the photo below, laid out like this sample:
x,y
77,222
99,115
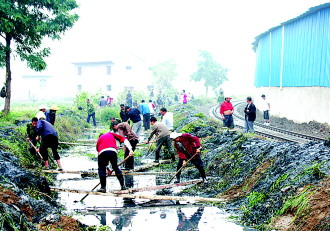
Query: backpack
x,y
3,92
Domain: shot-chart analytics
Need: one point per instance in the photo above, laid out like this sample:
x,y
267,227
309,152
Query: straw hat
x,y
54,107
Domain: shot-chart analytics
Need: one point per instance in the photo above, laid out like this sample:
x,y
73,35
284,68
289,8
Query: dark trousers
x,y
229,121
49,141
93,117
166,141
103,161
129,163
197,161
146,121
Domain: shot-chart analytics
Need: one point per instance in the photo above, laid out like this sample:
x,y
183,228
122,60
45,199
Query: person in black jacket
x,y
250,115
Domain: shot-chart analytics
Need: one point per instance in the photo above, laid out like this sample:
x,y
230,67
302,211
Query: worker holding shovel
x,y
188,148
107,151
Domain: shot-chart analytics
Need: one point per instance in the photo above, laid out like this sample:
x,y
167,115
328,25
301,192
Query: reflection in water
x,y
138,214
186,224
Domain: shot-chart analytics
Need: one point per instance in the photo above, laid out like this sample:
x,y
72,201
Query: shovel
x,y
182,167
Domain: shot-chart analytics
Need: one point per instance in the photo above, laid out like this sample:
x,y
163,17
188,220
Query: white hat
x,y
175,135
42,107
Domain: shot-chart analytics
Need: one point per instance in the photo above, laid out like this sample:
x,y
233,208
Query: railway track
x,y
269,131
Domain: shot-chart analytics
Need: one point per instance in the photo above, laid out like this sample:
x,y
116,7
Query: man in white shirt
x,y
167,118
265,107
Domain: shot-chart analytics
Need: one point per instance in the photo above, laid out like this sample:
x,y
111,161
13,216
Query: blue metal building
x,y
295,53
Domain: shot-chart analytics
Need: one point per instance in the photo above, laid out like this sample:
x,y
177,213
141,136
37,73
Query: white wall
x,y
300,104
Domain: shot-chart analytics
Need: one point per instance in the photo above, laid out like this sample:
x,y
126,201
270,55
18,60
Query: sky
x,y
157,31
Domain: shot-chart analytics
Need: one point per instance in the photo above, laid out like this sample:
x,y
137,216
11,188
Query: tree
x,y
164,74
213,73
24,24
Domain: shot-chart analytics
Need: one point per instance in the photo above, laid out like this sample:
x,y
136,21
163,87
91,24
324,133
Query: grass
x,y
297,205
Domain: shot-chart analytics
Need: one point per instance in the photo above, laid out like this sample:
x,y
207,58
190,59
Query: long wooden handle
x,y
35,149
182,167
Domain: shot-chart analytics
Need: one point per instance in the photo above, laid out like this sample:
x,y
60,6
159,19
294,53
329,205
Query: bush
x,y
105,113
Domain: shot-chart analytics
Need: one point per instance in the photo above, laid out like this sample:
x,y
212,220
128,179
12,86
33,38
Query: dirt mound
x,y
316,214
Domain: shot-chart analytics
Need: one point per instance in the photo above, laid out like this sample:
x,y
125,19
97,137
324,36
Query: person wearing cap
x,y
250,115
41,112
188,146
163,138
226,112
90,112
51,114
107,152
134,115
49,139
265,107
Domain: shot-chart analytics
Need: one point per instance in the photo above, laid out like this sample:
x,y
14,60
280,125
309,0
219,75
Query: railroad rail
x,y
267,130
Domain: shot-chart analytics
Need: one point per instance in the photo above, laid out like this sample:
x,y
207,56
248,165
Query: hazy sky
x,y
176,29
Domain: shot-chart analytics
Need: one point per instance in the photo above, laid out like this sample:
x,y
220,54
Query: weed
x,y
298,204
278,182
200,115
255,198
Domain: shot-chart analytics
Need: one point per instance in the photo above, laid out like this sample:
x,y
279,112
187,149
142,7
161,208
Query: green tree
x,y
24,24
213,73
164,74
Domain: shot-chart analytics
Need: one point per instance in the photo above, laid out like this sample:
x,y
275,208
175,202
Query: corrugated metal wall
x,y
296,54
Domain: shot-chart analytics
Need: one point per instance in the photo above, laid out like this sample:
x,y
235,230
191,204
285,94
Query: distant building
x,y
111,77
293,66
36,86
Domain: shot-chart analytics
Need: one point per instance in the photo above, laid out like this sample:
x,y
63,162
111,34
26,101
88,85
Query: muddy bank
x,y
262,180
25,197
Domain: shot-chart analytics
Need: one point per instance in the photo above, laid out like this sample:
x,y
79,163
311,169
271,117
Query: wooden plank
x,y
157,187
135,196
80,144
151,165
113,174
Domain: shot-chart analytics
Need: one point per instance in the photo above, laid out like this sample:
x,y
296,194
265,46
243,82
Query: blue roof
x,y
311,10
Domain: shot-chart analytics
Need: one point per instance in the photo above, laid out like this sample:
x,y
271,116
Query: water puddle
x,y
136,214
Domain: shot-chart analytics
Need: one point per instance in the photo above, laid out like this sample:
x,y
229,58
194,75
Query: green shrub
x,y
105,113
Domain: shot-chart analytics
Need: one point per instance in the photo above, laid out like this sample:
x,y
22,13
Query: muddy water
x,y
135,215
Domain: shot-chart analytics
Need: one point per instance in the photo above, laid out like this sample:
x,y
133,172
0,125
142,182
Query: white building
x,y
113,76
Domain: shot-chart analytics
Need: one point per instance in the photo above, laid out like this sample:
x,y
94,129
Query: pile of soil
x,y
312,128
259,176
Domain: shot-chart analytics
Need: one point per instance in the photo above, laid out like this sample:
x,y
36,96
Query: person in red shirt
x,y
187,146
107,151
226,112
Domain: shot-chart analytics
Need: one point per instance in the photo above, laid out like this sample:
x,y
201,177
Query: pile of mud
x,y
25,198
258,177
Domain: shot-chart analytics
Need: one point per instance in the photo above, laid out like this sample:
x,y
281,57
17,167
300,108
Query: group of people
x,y
227,111
187,146
105,102
42,129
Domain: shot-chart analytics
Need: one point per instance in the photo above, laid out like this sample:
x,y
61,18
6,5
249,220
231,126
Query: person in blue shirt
x,y
49,139
134,115
145,111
